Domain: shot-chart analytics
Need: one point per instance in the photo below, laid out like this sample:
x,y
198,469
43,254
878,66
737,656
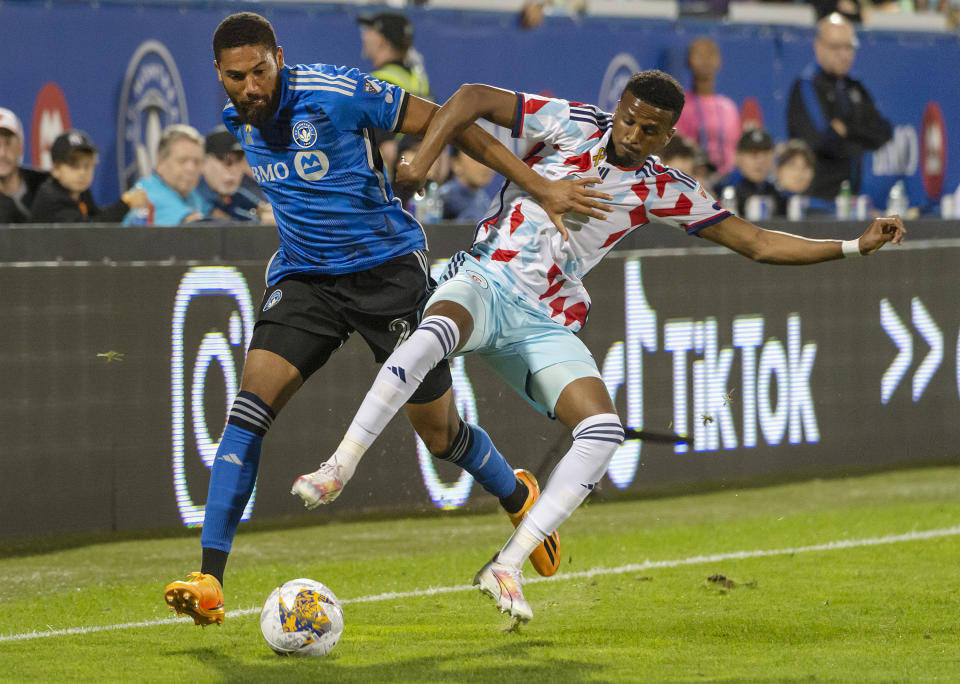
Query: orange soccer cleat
x,y
199,596
546,557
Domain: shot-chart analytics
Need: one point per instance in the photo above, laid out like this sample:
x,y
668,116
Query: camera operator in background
x,y
388,43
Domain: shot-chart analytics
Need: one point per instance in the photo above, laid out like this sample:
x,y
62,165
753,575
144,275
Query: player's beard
x,y
259,111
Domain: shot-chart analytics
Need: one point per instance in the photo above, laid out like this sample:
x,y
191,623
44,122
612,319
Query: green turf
x,y
884,613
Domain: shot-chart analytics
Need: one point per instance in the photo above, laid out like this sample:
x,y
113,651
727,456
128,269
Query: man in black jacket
x,y
834,113
65,197
18,185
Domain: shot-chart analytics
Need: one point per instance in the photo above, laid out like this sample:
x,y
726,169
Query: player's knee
x,y
438,442
251,412
597,439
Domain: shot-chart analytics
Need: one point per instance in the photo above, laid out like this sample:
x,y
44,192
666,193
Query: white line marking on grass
x,y
633,567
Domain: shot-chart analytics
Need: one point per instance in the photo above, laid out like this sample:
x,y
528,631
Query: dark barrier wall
x,y
158,70
117,371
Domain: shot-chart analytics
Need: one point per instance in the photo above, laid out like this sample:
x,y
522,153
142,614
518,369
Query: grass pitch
x,y
840,581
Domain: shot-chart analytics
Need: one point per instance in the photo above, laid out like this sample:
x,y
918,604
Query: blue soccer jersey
x,y
319,167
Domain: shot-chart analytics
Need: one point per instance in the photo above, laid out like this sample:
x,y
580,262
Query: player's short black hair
x,y
243,28
658,89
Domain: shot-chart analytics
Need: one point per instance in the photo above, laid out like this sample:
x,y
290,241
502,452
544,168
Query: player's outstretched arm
x,y
774,247
454,122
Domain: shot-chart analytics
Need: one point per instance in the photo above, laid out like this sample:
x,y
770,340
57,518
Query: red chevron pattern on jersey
x,y
569,140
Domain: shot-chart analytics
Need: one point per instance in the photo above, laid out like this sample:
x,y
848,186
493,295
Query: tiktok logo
x,y
775,400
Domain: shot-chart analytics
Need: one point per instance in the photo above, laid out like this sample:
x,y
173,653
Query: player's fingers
x,y
593,180
592,210
595,204
562,229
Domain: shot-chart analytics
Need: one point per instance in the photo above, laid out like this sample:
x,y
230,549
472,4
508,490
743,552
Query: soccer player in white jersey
x,y
516,297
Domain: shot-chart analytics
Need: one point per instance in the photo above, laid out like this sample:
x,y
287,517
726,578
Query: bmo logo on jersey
x,y
267,173
312,165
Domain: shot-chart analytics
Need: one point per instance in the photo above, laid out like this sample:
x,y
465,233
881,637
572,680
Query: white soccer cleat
x,y
319,487
502,583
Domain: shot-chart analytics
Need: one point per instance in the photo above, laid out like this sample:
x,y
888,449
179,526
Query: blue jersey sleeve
x,y
352,99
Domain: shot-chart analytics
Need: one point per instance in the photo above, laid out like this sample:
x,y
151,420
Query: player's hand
x,y
573,196
883,230
408,180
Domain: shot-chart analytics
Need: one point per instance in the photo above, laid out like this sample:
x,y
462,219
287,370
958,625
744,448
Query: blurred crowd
x,y
831,121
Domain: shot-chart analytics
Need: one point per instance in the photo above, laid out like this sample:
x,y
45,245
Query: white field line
x,y
633,567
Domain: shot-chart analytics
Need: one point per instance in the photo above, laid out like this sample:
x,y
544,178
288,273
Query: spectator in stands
x,y
388,42
794,174
65,197
222,182
850,9
795,164
751,173
18,184
712,120
464,195
685,156
172,187
834,113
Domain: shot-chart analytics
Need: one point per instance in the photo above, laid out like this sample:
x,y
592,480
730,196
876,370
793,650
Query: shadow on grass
x,y
516,662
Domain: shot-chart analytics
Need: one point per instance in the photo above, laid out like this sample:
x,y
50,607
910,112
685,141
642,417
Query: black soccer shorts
x,y
306,317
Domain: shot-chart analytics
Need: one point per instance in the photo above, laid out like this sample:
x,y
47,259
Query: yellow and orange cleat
x,y
199,596
546,557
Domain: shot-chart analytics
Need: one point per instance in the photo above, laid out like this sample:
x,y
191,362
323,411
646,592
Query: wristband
x,y
851,248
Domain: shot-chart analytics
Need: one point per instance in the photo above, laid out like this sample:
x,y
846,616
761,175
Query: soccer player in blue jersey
x,y
350,260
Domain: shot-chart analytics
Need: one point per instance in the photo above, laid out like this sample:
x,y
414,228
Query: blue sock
x,y
474,452
234,470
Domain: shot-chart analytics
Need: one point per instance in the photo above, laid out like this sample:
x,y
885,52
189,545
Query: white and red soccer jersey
x,y
519,242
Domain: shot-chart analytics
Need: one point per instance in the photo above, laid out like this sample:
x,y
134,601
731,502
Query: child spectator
x,y
65,197
750,176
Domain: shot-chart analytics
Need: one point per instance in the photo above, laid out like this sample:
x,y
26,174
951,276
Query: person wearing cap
x,y
18,184
222,183
753,165
65,197
834,113
172,187
388,42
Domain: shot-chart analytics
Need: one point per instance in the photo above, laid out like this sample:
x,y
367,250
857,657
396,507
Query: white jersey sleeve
x,y
561,124
674,198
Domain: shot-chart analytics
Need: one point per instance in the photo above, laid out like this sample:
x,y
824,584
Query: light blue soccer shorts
x,y
535,355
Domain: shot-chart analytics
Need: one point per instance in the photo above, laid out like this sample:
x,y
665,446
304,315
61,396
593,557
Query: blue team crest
x,y
619,71
152,98
274,298
304,134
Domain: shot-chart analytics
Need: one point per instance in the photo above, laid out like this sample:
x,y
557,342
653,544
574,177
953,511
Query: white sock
x,y
399,377
595,440
520,545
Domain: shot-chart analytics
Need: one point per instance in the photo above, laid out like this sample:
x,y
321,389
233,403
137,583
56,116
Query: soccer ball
x,y
302,617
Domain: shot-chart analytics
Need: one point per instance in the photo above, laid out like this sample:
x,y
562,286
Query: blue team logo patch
x,y
274,298
371,86
304,134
